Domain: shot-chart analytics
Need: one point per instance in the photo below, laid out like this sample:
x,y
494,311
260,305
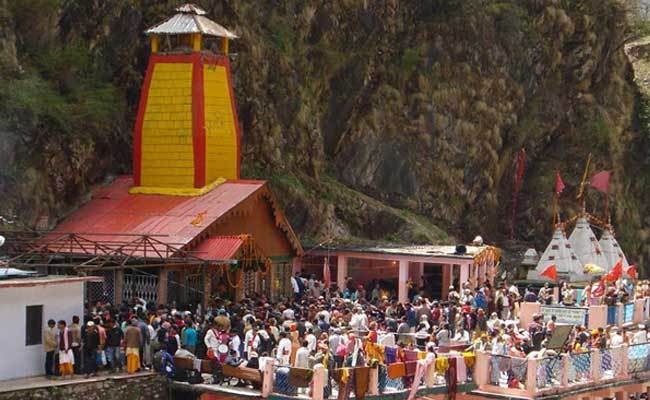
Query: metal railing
x,y
579,367
507,372
638,358
550,372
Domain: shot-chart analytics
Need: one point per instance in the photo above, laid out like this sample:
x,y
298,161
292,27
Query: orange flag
x,y
631,271
616,272
550,272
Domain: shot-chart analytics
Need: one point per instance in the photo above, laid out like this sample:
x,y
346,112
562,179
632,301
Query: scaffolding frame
x,y
80,252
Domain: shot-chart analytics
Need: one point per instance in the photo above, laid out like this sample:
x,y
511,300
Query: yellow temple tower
x,y
187,137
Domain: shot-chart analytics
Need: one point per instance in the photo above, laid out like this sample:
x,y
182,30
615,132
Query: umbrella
x,y
593,269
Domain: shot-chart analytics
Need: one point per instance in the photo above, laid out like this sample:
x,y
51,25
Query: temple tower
x,y
187,137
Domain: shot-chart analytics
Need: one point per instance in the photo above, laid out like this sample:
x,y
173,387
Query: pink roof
x,y
113,214
218,248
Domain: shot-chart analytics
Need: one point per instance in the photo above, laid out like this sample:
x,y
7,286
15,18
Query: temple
x,y
184,227
187,136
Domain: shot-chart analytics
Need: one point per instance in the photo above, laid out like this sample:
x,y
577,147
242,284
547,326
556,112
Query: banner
x,y
566,315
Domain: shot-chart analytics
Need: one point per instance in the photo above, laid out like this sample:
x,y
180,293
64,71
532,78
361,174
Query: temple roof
x,y
190,19
561,254
611,250
586,245
113,214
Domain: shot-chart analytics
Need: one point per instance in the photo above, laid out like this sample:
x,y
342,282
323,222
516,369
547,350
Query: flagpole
x,y
555,206
581,193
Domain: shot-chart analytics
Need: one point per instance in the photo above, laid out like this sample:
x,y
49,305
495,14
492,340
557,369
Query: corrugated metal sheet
x,y
113,213
218,248
190,23
190,8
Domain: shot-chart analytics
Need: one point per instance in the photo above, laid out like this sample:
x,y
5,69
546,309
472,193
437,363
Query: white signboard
x,y
566,315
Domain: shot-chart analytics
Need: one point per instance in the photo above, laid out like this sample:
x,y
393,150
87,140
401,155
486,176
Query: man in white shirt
x,y
284,349
616,339
294,286
288,314
326,315
443,336
302,356
359,321
311,339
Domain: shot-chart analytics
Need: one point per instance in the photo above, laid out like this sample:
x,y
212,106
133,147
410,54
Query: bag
x,y
100,358
265,345
341,350
194,377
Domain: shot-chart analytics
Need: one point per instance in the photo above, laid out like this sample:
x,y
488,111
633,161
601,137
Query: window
x,y
34,329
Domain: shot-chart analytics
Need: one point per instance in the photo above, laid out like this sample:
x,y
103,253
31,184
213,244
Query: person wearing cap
x,y
133,340
90,348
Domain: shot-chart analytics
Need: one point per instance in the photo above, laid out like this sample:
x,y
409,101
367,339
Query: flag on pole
x,y
616,272
631,271
559,183
326,273
600,181
550,272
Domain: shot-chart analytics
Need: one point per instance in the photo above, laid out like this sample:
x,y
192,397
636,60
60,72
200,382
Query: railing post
x,y
481,368
267,380
565,370
373,382
623,354
595,365
531,376
318,382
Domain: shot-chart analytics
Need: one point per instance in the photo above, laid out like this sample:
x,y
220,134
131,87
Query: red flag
x,y
559,184
631,271
550,272
600,181
616,272
326,273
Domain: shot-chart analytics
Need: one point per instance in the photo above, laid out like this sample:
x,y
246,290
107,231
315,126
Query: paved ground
x,y
41,381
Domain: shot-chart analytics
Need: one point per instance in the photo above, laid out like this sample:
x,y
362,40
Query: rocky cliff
x,y
374,120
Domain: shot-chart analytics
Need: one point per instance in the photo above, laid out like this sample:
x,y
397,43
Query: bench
x,y
251,375
188,363
228,372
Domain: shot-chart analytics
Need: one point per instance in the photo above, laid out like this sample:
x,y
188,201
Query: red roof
x,y
218,248
115,215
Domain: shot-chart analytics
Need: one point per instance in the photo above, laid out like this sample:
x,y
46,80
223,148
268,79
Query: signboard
x,y
559,337
628,313
566,315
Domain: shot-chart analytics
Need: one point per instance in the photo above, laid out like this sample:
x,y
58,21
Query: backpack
x,y
266,345
341,349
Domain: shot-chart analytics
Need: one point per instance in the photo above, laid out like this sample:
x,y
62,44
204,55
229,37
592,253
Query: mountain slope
x,y
374,120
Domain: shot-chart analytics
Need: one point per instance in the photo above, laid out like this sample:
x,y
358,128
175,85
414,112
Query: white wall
x,y
60,301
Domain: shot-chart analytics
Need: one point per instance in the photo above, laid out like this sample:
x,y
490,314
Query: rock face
x,y
378,120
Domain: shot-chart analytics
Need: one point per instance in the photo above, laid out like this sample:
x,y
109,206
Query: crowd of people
x,y
321,325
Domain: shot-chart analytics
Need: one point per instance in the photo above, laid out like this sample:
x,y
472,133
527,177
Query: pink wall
x,y
526,313
639,318
597,317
